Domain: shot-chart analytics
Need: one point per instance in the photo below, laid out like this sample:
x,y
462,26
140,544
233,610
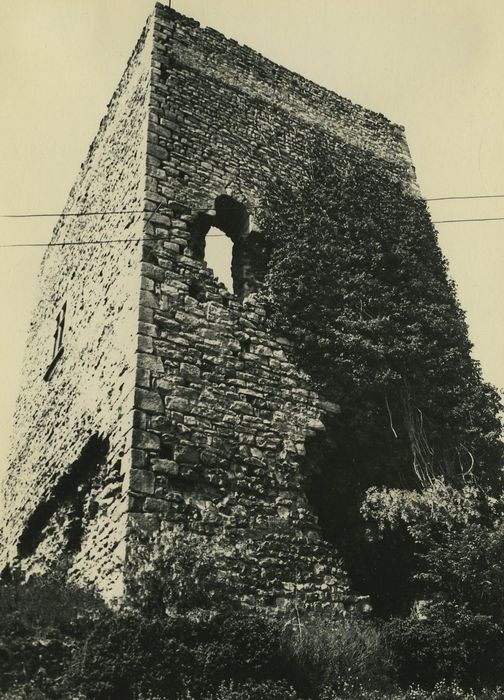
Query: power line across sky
x,y
141,211
34,215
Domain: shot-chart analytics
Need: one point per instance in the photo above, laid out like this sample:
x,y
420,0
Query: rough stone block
x,y
157,505
190,372
153,272
148,299
144,343
151,362
329,407
178,404
149,401
142,378
165,466
142,439
142,481
160,423
188,455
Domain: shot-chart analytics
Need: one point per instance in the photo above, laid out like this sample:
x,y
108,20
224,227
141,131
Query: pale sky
x,y
437,67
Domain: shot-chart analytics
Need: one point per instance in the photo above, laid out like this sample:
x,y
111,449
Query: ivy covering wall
x,y
357,279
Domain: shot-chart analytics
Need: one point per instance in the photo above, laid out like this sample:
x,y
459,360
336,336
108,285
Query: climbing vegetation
x,y
357,280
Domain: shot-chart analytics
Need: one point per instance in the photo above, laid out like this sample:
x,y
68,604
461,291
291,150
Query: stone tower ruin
x,y
151,394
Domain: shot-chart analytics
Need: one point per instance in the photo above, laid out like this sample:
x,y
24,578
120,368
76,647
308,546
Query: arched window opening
x,y
222,237
231,217
219,237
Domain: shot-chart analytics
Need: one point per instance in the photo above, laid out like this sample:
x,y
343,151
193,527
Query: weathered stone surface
x,y
329,407
178,404
188,455
165,466
158,506
142,481
90,390
143,439
151,362
138,458
148,401
190,372
148,299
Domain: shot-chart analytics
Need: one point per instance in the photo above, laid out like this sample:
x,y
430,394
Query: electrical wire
x,y
471,196
459,221
201,211
210,235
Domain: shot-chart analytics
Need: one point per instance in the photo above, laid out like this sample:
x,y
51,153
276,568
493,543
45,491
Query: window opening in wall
x,y
58,333
219,256
58,342
221,238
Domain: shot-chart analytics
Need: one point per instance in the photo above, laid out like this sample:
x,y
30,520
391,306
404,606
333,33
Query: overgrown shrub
x,y
245,646
466,567
177,574
185,639
125,654
59,642
338,655
459,634
441,691
450,642
269,690
40,623
457,631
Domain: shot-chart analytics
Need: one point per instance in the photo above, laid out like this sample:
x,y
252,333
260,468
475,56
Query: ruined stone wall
x,y
172,403
222,412
224,116
72,429
223,416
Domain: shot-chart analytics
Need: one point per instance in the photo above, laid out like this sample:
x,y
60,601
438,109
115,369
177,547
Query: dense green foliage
x,y
357,280
39,622
59,642
456,629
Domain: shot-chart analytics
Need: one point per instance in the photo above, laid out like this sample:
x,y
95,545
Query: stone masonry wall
x,y
70,444
225,416
224,116
222,412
